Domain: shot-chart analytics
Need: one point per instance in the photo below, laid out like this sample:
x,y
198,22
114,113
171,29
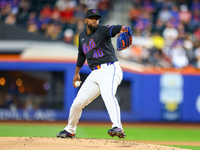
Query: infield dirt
x,y
43,143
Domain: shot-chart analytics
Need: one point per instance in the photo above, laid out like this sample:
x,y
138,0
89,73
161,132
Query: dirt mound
x,y
43,143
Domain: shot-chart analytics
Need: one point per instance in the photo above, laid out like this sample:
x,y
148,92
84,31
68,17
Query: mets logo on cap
x,y
94,11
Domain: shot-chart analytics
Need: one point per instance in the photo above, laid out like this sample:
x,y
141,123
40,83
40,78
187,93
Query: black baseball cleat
x,y
65,134
115,131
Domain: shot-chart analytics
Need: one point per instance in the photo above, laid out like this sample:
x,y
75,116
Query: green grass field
x,y
86,131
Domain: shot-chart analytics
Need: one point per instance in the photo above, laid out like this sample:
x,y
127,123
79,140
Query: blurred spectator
x,y
164,15
195,19
185,15
24,4
148,6
10,19
42,24
197,33
61,5
46,11
55,15
68,36
175,12
79,13
181,31
159,26
197,56
195,5
5,10
14,6
134,13
23,14
91,4
65,4
32,23
188,46
138,39
103,7
170,34
32,18
174,20
178,56
67,14
53,30
32,28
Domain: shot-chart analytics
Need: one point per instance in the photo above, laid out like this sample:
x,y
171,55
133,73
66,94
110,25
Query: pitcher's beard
x,y
93,28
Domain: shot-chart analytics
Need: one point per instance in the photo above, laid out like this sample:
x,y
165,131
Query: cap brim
x,y
93,16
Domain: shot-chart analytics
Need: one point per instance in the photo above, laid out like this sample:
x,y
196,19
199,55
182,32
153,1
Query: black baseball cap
x,y
91,13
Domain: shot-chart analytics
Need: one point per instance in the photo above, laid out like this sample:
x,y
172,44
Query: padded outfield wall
x,y
149,96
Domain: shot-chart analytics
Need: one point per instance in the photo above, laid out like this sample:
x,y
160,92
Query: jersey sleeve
x,y
81,56
80,49
110,31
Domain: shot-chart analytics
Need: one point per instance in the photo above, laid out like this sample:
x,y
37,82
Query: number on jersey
x,y
98,53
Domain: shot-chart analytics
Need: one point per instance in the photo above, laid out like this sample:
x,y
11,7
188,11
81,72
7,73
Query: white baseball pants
x,y
102,81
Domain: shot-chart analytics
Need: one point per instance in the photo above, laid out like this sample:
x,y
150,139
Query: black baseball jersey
x,y
97,46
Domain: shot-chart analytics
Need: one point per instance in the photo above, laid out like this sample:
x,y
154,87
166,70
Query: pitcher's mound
x,y
43,143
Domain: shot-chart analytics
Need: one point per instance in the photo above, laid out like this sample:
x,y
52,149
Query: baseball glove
x,y
124,38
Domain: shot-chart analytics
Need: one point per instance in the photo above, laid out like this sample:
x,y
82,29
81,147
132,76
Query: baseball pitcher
x,y
95,46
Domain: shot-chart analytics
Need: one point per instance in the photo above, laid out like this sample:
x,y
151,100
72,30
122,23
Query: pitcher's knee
x,y
78,104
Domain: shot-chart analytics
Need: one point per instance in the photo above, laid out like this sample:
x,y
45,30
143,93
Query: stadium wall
x,y
168,96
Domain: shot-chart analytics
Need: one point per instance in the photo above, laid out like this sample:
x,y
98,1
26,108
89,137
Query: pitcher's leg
x,y
108,90
87,93
112,108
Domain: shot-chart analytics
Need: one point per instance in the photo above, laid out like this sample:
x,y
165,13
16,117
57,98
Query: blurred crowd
x,y
57,19
166,33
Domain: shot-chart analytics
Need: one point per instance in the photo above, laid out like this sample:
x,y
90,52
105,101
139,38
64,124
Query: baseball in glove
x,y
124,38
